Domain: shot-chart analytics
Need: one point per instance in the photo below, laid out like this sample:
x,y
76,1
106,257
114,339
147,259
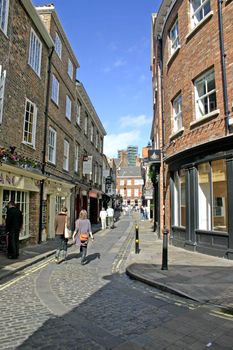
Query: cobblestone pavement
x,y
96,306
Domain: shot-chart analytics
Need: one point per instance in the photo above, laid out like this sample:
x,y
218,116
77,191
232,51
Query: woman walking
x,y
83,231
61,220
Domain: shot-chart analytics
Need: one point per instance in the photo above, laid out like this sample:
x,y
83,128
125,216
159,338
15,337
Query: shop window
x,y
212,196
22,200
179,199
59,203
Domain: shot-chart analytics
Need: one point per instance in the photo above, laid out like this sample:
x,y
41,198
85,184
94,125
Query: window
x,y
129,182
179,199
78,112
22,199
86,124
59,203
66,155
205,94
35,51
92,132
136,192
52,145
174,38
58,45
76,155
4,8
177,113
97,140
128,192
101,145
212,196
30,115
100,174
122,182
68,107
122,192
55,90
199,9
70,69
2,88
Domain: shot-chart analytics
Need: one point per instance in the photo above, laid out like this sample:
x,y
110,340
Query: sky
x,y
111,40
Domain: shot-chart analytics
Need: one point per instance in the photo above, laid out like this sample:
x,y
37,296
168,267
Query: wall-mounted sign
x,y
87,165
154,155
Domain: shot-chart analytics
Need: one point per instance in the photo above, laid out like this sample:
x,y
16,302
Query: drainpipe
x,y
223,64
44,146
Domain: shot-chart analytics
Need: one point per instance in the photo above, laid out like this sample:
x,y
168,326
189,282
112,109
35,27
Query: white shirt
x,y
110,212
103,214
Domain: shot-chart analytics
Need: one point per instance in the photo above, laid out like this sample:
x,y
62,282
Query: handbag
x,y
84,237
67,232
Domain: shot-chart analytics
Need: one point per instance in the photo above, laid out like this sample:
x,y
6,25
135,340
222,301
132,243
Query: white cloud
x,y
115,142
135,121
119,63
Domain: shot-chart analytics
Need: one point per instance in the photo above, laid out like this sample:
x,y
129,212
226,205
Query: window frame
x,y
33,132
92,132
33,55
177,117
70,69
86,124
4,26
2,90
194,12
55,90
177,38
78,112
66,153
51,147
76,157
204,77
58,45
68,107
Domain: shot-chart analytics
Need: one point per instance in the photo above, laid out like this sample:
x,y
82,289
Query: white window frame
x,y
200,8
55,90
58,45
129,192
76,157
4,12
200,112
29,136
136,192
52,145
97,140
78,111
174,41
122,192
129,182
70,69
2,89
68,107
35,52
66,155
177,113
122,182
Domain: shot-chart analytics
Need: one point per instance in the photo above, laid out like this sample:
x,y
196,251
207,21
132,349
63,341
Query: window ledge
x,y
69,119
205,118
173,56
55,103
199,25
176,134
29,145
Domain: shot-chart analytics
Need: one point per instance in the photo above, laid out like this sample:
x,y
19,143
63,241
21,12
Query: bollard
x,y
165,249
136,240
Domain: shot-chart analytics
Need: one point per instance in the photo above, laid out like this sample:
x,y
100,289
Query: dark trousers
x,y
83,251
13,244
62,246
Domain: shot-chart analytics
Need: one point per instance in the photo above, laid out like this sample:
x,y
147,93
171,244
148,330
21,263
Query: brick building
x,y
191,65
129,185
24,49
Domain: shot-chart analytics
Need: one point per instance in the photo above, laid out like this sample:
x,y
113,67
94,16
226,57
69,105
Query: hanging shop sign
x,y
87,165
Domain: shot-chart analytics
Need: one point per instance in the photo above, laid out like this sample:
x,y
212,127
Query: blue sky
x,y
111,40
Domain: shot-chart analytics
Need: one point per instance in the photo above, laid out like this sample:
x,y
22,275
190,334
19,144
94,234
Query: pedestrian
x,y
61,220
142,215
83,231
110,213
103,216
14,224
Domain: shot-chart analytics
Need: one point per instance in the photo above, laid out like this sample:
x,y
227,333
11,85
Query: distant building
x,y
132,152
129,185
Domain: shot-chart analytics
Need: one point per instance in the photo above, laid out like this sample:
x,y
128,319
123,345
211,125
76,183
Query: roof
x,y
130,171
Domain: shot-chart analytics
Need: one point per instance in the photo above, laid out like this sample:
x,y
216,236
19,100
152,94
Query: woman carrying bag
x,y
61,224
82,233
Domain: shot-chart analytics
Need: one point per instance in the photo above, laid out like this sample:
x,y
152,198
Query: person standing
x,y
110,214
14,223
61,219
103,216
83,231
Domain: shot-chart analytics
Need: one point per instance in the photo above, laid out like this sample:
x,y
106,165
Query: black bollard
x,y
136,240
165,249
